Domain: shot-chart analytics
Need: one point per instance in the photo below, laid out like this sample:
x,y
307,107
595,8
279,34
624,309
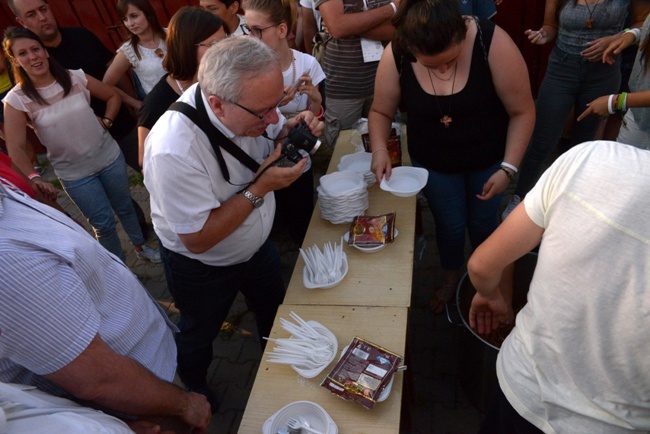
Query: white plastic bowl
x,y
314,414
311,285
371,249
320,328
405,181
358,162
342,183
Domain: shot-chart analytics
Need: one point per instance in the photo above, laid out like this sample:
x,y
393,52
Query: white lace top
x,y
149,67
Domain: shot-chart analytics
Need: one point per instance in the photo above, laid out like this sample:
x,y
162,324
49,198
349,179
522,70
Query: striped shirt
x,y
347,75
59,288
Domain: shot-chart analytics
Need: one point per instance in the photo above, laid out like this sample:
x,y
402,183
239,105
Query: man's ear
x,y
216,104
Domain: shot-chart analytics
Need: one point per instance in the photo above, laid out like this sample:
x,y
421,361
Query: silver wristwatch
x,y
256,201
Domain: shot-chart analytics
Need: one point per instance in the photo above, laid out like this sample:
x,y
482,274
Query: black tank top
x,y
476,138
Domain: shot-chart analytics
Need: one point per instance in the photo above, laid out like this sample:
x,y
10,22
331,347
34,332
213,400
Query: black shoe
x,y
207,392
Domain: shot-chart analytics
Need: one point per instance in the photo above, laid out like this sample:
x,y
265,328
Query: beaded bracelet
x,y
508,174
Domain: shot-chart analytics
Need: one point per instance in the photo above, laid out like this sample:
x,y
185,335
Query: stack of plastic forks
x,y
309,350
325,268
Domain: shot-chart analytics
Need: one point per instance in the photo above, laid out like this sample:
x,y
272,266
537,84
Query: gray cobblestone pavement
x,y
435,403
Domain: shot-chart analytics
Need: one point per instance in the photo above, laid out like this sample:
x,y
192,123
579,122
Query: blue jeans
x,y
570,82
95,195
454,205
204,294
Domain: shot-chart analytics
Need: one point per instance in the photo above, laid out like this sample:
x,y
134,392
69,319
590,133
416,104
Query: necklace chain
x,y
590,21
440,78
445,119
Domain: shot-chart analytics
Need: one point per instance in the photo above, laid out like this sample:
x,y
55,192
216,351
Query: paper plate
x,y
405,181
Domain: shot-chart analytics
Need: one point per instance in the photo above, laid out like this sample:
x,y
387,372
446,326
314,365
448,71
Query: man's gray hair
x,y
229,64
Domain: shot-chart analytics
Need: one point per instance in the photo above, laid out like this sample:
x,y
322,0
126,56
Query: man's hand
x,y
197,413
315,126
275,177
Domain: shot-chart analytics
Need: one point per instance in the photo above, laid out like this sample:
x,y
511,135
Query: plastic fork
x,y
295,423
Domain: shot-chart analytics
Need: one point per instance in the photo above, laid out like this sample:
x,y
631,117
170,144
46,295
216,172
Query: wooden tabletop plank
x,y
383,278
278,385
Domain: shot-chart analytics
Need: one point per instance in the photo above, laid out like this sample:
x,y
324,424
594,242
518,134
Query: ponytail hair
x,y
278,11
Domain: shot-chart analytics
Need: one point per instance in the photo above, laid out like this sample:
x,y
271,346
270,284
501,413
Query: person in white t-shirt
x,y
577,360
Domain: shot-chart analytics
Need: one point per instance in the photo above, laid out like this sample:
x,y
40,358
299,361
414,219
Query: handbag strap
x,y
199,116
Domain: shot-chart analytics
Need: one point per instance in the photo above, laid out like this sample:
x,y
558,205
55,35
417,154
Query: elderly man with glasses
x,y
212,213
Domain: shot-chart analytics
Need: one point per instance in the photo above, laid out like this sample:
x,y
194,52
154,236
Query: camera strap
x,y
199,116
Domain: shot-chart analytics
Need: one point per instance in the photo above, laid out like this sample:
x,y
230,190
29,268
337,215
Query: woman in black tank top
x,y
465,88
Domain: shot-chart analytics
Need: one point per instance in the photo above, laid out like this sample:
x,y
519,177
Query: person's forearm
x,y
638,99
134,390
520,129
382,32
341,25
113,106
379,125
129,100
221,222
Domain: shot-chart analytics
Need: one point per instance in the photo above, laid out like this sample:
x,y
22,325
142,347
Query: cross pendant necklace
x,y
590,21
445,119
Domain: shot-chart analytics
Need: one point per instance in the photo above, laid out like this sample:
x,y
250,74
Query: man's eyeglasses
x,y
262,116
257,31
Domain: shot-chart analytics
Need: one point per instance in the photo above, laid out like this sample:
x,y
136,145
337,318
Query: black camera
x,y
299,137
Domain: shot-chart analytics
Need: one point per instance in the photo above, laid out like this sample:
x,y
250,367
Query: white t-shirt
x,y
578,360
185,184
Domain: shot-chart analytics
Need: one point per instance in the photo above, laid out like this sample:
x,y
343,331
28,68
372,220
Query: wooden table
x,y
374,279
278,385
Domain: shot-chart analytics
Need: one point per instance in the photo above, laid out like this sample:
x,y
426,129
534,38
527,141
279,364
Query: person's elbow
x,y
476,267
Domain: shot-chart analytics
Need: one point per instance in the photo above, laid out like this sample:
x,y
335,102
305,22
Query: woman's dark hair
x,y
61,75
188,27
428,27
150,15
278,11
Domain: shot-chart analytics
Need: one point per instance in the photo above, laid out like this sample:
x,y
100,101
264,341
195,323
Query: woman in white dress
x,y
142,53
